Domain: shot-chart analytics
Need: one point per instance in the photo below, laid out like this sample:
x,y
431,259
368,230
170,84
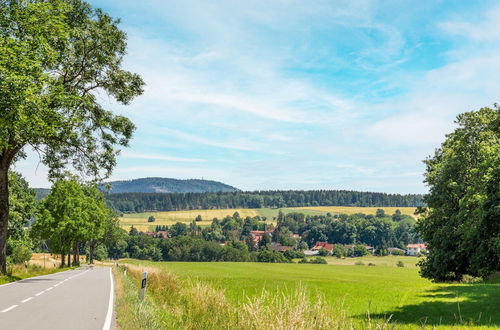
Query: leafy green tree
x,y
397,216
55,56
323,252
151,218
23,206
198,218
380,213
461,224
339,251
99,217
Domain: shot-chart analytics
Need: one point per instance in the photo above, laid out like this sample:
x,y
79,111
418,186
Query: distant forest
x,y
141,202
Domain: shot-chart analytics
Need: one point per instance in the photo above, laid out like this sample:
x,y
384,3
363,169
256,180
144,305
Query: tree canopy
x,y
55,57
461,224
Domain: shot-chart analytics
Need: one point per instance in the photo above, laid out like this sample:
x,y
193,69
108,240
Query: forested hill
x,y
165,185
140,202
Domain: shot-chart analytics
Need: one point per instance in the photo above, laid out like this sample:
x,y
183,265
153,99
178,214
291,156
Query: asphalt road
x,y
74,299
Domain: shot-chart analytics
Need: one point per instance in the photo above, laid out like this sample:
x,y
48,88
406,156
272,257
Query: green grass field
x,y
140,220
382,291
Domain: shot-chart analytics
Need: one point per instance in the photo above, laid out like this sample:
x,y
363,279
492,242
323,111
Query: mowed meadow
x,y
365,296
140,220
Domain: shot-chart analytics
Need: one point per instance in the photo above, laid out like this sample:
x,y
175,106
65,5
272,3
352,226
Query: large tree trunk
x,y
69,258
76,255
4,215
91,252
63,259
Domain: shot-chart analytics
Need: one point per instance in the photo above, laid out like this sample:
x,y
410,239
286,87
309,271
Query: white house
x,y
415,249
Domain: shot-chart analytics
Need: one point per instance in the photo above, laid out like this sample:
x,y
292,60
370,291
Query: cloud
x,y
130,155
485,29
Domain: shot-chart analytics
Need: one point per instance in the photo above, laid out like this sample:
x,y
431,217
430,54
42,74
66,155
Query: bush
x,y
318,260
471,279
271,256
359,263
293,254
20,254
400,264
398,253
339,251
151,219
371,264
323,252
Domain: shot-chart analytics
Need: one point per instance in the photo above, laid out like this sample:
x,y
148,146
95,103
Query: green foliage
x,y
461,223
294,254
315,260
71,213
271,256
339,251
151,218
20,253
323,252
55,57
198,218
23,209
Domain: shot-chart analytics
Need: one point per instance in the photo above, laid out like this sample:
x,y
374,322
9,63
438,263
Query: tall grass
x,y
172,303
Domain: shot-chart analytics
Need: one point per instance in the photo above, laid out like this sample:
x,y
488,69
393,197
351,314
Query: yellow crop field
x,y
140,220
355,209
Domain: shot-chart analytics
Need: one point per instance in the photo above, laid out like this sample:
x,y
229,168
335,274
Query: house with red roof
x,y
323,245
257,235
415,249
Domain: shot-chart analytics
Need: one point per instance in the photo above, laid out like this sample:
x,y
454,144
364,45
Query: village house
x,y
323,245
280,248
163,234
415,249
257,235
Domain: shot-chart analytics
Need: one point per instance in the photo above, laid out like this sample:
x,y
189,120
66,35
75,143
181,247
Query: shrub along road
x,y
74,299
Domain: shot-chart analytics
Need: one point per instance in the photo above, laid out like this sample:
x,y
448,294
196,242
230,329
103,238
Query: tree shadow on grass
x,y
461,304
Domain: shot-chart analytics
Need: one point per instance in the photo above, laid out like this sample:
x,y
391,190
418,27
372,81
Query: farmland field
x,y
399,293
139,220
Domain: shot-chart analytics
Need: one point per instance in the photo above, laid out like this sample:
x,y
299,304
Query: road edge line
x,y
109,315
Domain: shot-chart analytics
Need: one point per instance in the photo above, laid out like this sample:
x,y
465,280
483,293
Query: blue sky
x,y
300,94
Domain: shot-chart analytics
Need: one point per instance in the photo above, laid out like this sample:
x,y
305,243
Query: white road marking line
x,y
27,299
10,308
109,314
39,293
49,289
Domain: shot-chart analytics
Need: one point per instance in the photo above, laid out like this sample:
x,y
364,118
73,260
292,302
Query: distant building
x,y
163,234
415,249
323,245
280,248
257,235
309,253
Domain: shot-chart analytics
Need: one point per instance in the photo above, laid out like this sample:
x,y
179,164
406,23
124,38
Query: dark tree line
x,y
140,202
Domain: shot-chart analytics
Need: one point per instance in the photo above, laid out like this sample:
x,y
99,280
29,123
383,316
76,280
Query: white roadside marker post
x,y
143,284
125,270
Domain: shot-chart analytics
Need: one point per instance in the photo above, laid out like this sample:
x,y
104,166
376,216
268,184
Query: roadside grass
x,y
140,220
19,272
364,293
181,303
